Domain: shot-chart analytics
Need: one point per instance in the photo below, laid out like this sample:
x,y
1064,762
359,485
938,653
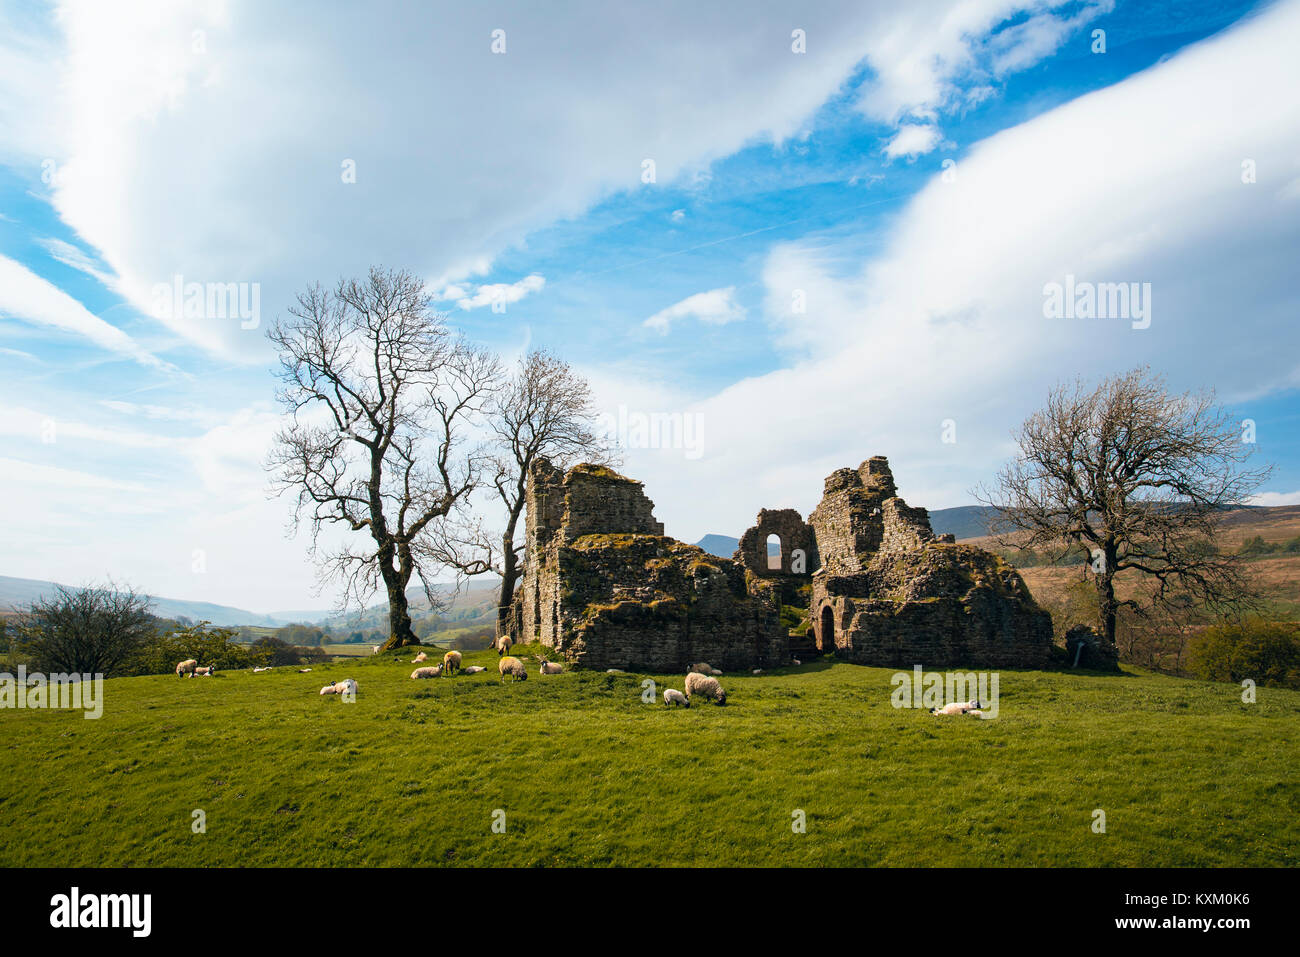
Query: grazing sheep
x,y
450,662
346,686
956,707
374,649
705,686
186,668
473,670
510,665
422,656
427,672
674,697
549,667
502,644
205,672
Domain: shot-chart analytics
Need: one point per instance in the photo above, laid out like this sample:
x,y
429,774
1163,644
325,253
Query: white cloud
x,y
580,100
678,215
716,307
70,255
912,139
1276,498
26,296
499,293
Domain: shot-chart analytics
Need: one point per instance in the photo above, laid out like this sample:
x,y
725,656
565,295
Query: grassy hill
x,y
411,773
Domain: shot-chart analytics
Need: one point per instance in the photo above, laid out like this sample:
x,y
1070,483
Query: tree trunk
x,y
509,578
400,632
1107,607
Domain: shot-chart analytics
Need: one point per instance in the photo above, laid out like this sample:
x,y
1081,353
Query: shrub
x,y
1268,652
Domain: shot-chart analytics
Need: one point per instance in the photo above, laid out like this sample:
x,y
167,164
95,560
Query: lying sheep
x,y
450,662
186,668
674,697
510,665
346,686
704,686
549,667
420,657
473,670
502,644
427,672
259,669
205,672
957,707
704,668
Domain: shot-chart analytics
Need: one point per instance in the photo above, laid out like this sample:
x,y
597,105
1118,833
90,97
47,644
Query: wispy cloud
x,y
27,297
716,307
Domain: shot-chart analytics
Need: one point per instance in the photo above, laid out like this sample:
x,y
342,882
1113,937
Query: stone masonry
x,y
605,588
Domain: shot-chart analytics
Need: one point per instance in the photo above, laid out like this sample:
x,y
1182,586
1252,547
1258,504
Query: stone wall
x,y
795,534
891,593
605,588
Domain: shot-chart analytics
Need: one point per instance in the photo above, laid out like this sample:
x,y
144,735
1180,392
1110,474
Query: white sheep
x,y
758,671
205,672
797,662
186,668
705,686
259,669
450,662
502,644
474,669
510,665
346,686
427,672
549,667
674,697
957,707
420,657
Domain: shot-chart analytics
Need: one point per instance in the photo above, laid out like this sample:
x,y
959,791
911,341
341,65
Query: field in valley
x,y
588,774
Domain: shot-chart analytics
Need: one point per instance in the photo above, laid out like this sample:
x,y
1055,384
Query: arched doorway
x,y
775,553
826,634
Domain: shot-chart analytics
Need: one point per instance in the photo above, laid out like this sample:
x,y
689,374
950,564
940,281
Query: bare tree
x,y
381,399
90,630
545,410
1139,479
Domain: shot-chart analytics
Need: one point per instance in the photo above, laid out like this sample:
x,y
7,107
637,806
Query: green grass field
x,y
587,774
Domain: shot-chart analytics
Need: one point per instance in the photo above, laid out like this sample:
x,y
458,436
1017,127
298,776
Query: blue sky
x,y
211,141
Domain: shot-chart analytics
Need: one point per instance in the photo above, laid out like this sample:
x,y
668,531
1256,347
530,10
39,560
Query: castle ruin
x,y
604,586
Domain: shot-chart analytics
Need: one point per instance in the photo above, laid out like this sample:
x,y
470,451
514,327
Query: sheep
x,y
502,644
549,667
510,665
704,668
427,672
205,672
674,697
346,686
450,662
758,671
797,662
422,656
705,686
186,668
473,670
957,707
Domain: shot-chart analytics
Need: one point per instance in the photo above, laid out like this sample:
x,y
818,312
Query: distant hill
x,y
20,592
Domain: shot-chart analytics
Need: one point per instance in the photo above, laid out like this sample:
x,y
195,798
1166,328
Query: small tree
x,y
1137,478
380,397
90,630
